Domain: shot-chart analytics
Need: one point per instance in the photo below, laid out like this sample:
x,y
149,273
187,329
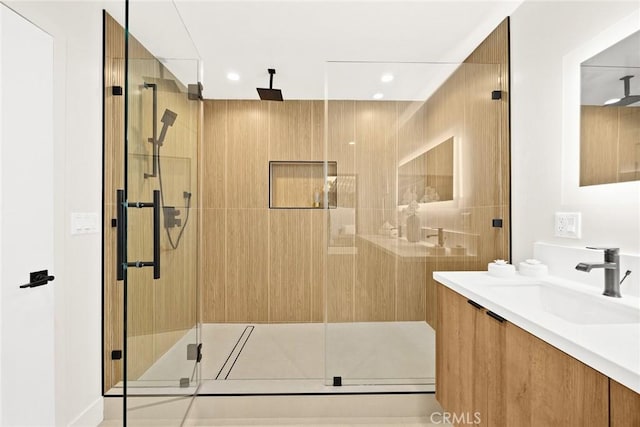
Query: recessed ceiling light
x,y
352,143
234,77
378,95
611,101
386,78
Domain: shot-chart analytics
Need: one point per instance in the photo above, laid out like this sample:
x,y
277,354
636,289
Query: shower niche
x,y
302,185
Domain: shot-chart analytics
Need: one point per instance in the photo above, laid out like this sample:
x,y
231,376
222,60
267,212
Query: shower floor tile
x,y
303,358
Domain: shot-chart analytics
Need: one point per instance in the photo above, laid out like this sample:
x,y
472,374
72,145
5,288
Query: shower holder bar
x,y
122,207
154,139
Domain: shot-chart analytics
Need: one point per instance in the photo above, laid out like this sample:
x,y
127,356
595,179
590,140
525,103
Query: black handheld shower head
x,y
168,119
270,94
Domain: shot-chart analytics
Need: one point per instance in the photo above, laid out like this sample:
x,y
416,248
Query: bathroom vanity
x,y
515,351
403,270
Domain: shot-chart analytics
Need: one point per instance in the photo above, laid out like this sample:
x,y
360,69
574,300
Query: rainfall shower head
x,y
628,99
270,94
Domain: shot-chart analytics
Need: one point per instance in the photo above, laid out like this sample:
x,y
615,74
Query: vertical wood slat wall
x,y
609,144
264,265
160,311
249,271
259,265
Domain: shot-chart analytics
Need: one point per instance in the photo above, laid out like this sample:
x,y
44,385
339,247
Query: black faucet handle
x,y
605,249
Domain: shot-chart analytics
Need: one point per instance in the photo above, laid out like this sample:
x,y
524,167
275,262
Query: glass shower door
x,y
421,176
158,217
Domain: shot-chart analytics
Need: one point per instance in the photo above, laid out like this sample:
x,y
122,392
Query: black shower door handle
x,y
122,205
120,234
156,234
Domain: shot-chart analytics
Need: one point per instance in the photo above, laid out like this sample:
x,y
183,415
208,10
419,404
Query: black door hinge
x,y
194,352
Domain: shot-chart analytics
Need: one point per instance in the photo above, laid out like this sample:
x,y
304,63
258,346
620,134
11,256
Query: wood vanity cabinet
x,y
546,387
470,361
509,376
624,404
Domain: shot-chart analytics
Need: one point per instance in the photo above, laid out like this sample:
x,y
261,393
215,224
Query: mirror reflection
x,y
427,177
610,114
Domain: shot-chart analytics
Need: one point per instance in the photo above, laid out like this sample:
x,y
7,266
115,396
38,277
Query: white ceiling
x,y
298,38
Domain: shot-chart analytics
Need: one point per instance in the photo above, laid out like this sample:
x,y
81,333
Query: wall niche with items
x,y
302,185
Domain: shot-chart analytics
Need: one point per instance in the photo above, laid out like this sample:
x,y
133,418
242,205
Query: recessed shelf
x,y
302,185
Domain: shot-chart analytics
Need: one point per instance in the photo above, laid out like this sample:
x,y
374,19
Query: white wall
x,y
545,38
77,31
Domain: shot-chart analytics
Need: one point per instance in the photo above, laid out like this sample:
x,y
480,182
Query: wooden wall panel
x,y
411,129
629,145
290,265
369,284
214,155
483,168
318,264
495,50
247,154
214,266
444,111
341,131
376,158
410,290
247,242
609,144
291,130
598,145
317,130
375,286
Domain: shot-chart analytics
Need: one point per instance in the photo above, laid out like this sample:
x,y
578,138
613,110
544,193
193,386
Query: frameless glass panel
x,y
422,162
161,194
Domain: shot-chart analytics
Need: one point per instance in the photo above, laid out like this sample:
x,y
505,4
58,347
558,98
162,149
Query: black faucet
x,y
611,267
440,236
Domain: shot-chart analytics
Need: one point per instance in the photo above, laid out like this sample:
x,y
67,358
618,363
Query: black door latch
x,y
38,278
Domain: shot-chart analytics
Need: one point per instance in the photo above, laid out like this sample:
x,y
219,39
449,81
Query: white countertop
x,y
612,349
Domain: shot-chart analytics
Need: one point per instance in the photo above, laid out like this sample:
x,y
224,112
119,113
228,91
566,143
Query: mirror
x,y
610,114
428,177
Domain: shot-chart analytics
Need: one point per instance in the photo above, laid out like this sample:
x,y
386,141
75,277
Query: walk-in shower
x,y
314,226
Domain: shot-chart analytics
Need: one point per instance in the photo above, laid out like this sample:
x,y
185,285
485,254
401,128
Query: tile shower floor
x,y
296,358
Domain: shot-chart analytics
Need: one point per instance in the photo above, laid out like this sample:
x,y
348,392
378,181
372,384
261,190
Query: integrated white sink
x,y
568,304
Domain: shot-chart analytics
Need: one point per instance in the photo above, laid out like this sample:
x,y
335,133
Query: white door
x,y
26,222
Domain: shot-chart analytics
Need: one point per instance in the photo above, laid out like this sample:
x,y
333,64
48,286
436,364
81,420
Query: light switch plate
x,y
84,222
568,224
